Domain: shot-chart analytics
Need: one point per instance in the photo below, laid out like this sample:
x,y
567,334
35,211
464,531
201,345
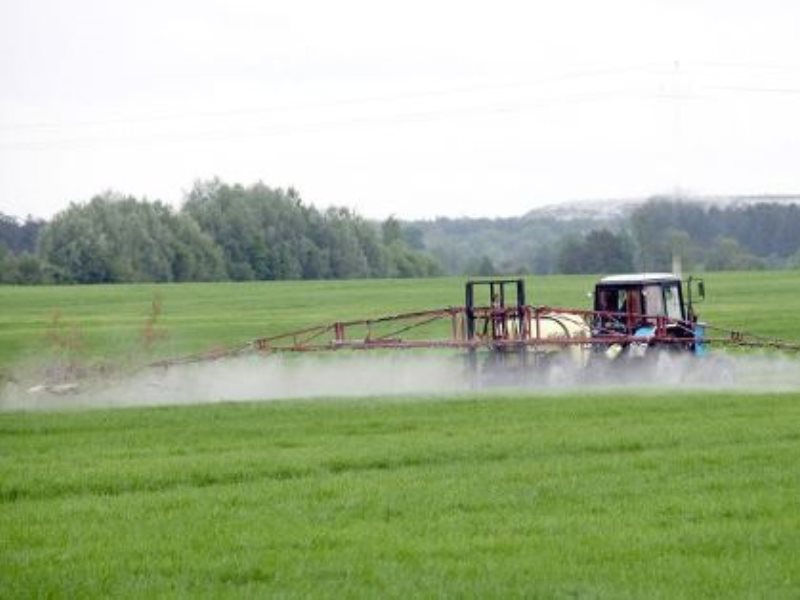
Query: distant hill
x,y
612,209
593,210
533,242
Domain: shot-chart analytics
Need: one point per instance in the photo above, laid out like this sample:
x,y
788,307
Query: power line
x,y
503,107
250,111
323,125
753,89
655,68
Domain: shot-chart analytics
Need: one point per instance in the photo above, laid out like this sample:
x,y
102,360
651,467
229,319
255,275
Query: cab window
x,y
608,300
672,301
654,300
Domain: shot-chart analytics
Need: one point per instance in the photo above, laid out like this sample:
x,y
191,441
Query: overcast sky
x,y
410,108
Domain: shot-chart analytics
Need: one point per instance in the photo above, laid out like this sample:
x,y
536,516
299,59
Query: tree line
x,y
644,237
740,237
233,232
222,232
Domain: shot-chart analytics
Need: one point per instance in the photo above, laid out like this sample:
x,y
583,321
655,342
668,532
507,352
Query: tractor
x,y
635,319
636,322
647,310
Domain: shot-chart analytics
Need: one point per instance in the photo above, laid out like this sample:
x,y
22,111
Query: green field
x,y
108,321
578,495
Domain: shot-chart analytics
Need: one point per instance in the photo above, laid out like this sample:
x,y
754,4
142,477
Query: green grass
x,y
105,321
656,496
110,320
760,302
626,495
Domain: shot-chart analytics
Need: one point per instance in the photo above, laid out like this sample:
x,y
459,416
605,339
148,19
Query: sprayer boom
x,y
632,316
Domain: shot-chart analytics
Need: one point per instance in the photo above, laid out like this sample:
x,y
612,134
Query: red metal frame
x,y
308,340
334,336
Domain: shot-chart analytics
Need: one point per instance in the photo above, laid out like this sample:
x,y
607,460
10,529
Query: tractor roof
x,y
634,278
